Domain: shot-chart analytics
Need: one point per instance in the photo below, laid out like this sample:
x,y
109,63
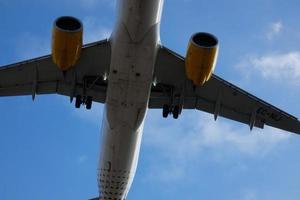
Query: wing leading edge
x,y
217,96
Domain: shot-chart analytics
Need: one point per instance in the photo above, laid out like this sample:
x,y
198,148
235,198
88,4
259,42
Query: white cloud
x,y
94,115
203,132
277,67
223,134
82,159
94,31
274,30
90,4
248,194
29,46
185,142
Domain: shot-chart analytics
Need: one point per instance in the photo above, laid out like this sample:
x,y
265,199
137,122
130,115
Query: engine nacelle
x,y
66,42
201,57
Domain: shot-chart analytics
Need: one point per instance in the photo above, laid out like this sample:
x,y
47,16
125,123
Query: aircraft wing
x,y
216,96
42,76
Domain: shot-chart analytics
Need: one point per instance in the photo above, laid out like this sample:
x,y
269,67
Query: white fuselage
x,y
134,44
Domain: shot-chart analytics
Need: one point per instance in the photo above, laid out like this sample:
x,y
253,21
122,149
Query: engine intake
x,y
66,42
201,57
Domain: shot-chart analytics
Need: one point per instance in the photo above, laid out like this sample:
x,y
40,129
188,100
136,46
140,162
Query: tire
x,y
166,111
78,101
176,111
89,101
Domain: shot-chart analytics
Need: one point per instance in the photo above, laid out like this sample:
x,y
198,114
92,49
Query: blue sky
x,y
49,150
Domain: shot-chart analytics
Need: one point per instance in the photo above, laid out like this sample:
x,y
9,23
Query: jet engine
x,y
66,42
201,57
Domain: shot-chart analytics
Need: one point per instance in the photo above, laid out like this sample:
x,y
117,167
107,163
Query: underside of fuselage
x,y
134,44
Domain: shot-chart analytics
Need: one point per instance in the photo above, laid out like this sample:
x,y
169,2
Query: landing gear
x,y
78,101
166,110
88,83
176,110
84,100
89,102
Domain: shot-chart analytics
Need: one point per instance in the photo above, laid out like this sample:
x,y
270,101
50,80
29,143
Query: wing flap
x,y
28,89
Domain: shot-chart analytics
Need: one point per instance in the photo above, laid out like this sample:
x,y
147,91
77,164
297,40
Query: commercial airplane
x,y
129,73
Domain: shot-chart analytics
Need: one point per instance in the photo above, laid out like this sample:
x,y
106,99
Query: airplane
x,y
131,72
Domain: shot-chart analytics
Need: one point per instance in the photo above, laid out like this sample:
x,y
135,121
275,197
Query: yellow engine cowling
x,y
201,57
66,42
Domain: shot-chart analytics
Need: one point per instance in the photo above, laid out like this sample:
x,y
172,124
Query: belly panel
x,y
119,157
134,45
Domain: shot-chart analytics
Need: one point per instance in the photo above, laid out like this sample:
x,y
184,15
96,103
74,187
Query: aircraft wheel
x,y
166,110
89,101
78,101
176,111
